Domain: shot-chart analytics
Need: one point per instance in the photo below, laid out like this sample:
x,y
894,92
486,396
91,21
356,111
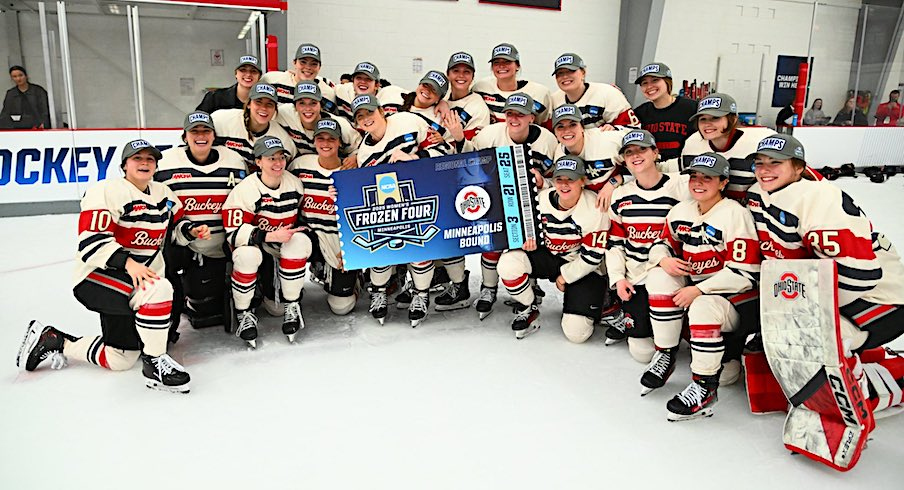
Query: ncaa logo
x,y
139,144
387,185
566,164
563,111
437,77
310,50
198,117
777,144
632,136
502,50
306,88
327,124
789,287
366,67
247,59
649,69
263,88
273,143
710,103
462,58
518,100
703,161
472,202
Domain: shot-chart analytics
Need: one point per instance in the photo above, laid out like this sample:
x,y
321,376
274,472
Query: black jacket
x,y
221,98
30,108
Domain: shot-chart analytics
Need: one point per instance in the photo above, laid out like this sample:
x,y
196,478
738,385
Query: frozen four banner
x,y
436,208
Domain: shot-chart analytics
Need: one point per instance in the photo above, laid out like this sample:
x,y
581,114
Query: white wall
x,y
695,34
392,32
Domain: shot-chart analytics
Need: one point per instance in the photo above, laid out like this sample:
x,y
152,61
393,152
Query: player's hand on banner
x,y
560,283
624,289
452,123
350,161
140,273
281,235
529,245
434,137
400,156
686,295
674,266
201,232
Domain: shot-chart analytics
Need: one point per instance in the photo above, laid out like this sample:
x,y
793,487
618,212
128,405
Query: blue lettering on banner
x,y
505,164
31,166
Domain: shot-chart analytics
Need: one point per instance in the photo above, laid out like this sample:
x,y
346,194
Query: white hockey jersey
x,y
601,104
740,176
815,219
317,207
473,112
232,133
252,209
390,99
637,217
202,190
495,98
578,235
284,82
542,144
288,118
404,131
432,119
599,154
720,246
119,220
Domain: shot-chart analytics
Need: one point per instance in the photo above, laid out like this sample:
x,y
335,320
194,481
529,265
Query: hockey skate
x,y
526,321
42,343
539,294
292,320
378,307
617,322
485,302
441,279
420,303
247,328
165,374
456,296
658,371
696,401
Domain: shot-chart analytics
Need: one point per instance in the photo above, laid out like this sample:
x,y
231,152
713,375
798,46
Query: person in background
x,y
667,117
890,113
814,115
247,73
785,118
345,78
25,105
850,115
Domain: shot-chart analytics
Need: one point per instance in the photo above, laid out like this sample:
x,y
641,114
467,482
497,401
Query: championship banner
x,y
435,208
786,76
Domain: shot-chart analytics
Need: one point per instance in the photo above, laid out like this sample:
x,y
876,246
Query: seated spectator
x,y
814,115
890,113
785,118
25,105
850,115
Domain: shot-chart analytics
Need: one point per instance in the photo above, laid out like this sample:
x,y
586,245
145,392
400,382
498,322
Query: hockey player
x,y
799,218
300,121
472,110
401,137
602,105
261,216
495,90
318,208
307,69
366,81
571,253
637,215
710,255
667,117
123,225
247,73
239,129
201,175
519,128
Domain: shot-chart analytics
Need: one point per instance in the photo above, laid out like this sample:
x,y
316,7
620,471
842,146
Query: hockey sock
x,y
707,347
519,289
291,277
666,318
456,269
152,323
488,263
421,274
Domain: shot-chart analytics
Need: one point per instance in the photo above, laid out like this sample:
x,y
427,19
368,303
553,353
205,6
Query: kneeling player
x,y
319,211
261,215
574,241
813,351
710,241
123,226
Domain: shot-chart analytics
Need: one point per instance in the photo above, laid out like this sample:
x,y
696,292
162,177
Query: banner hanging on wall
x,y
435,208
786,74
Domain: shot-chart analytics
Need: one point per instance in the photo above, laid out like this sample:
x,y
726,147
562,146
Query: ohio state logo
x,y
647,234
472,202
192,205
143,239
789,287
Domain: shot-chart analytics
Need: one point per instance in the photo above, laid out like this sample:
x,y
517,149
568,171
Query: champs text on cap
x,y
327,123
265,89
565,60
462,58
517,100
248,59
632,136
139,144
566,164
306,88
777,144
437,77
703,161
273,143
198,116
710,103
563,111
310,50
502,50
649,69
361,100
366,67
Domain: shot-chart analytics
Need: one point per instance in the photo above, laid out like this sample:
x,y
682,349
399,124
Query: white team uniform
x,y
406,132
202,190
601,104
473,112
599,154
495,98
390,99
287,117
232,133
317,207
430,117
542,144
284,82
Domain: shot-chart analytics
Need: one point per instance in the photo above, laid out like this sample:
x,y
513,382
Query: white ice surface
x,y
455,403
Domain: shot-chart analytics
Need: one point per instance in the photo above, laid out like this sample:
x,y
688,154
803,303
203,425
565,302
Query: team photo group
x,y
657,223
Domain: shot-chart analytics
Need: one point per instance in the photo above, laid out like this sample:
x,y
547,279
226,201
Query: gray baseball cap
x,y
438,81
308,90
461,58
779,147
566,112
249,60
367,68
135,146
197,118
307,50
570,166
708,163
716,105
519,102
262,91
505,51
569,61
268,145
330,126
365,101
639,137
658,70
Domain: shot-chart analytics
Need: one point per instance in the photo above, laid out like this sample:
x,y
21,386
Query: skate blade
x,y
614,341
520,334
646,390
291,338
454,306
416,323
702,414
252,344
156,385
484,314
28,343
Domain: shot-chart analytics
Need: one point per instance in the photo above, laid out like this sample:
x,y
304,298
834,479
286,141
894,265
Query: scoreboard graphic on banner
x,y
436,208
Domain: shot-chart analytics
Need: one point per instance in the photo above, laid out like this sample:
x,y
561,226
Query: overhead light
x,y
247,27
113,9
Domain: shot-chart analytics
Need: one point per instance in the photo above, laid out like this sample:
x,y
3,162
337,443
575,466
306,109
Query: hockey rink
x,y
454,404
